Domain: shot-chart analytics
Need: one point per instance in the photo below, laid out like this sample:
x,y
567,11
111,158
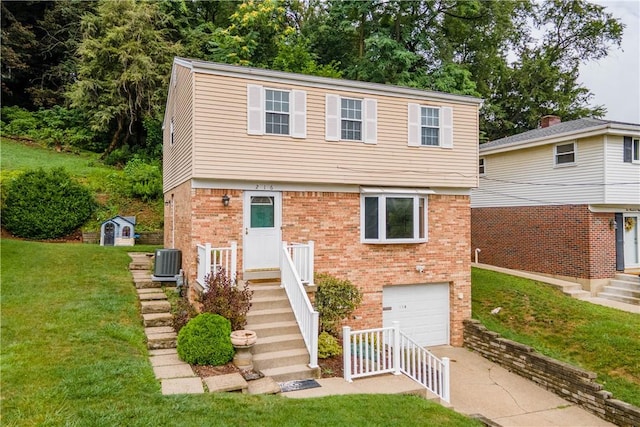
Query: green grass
x,y
600,339
86,167
73,354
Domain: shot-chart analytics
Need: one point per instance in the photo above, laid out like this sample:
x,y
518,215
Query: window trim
x,y
574,152
267,111
482,166
414,125
343,119
256,112
423,111
382,196
631,150
635,150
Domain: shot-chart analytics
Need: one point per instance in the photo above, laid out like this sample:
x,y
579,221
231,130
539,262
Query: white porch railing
x,y
211,259
306,316
389,350
302,256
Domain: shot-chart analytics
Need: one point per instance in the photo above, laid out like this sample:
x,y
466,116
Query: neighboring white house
x,y
563,199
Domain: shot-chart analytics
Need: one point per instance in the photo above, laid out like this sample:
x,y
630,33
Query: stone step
x,y
271,315
625,292
140,265
626,284
279,342
162,341
283,358
628,277
269,329
620,298
157,319
261,291
266,303
292,372
146,284
224,383
157,295
155,306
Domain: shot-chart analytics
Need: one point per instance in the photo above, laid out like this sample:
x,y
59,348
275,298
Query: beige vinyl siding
x,y
529,177
177,158
224,150
617,171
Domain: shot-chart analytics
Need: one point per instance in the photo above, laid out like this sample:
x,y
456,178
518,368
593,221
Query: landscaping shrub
x,y
143,180
41,204
336,299
223,297
206,340
328,346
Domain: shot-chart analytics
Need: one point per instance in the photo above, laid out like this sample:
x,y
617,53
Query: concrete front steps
x,y
280,352
623,288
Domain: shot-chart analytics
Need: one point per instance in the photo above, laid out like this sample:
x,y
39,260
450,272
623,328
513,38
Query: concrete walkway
x,y
478,388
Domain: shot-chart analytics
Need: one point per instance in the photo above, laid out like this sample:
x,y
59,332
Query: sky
x,y
615,80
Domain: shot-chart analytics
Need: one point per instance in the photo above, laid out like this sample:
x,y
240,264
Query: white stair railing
x,y
303,311
389,350
211,259
302,256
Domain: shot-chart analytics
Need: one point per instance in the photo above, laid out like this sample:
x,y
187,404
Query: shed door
x,y
109,234
262,234
422,310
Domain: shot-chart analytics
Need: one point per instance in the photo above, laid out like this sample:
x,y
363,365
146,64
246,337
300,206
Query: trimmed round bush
x,y
206,340
41,204
328,346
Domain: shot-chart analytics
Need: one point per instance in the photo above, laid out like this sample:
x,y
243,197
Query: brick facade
x,y
332,220
566,240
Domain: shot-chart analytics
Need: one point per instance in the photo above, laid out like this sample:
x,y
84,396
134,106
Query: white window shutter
x,y
370,121
414,138
332,117
255,110
446,127
299,114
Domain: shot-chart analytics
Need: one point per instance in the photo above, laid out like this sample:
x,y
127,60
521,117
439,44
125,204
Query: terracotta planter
x,y
243,338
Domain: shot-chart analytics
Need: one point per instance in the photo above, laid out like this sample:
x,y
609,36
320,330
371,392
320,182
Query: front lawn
x,y
600,339
73,353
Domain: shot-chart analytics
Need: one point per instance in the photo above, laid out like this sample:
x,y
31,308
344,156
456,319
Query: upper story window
x,y
276,112
565,154
349,119
631,150
393,218
171,132
481,166
430,126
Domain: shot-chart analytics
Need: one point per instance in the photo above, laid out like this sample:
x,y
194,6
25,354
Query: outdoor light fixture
x,y
613,224
225,200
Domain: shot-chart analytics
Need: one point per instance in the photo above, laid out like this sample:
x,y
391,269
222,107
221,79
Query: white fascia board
x,y
614,208
324,82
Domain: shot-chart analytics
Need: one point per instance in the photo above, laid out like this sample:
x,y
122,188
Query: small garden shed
x,y
118,231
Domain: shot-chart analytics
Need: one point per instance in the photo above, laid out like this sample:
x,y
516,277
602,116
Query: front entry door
x,y
631,240
262,234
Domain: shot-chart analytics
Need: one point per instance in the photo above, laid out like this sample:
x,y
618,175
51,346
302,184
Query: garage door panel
x,y
422,310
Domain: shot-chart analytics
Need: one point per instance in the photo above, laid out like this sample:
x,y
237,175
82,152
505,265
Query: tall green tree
x,y
124,68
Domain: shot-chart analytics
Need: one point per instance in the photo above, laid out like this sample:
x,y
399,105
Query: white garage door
x,y
422,310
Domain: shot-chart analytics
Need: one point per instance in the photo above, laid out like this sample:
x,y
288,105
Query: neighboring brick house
x,y
378,176
563,200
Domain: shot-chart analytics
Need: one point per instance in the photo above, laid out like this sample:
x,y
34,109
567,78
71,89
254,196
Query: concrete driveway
x,y
479,386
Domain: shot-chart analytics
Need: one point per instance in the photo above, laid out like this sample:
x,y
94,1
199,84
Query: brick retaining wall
x,y
569,382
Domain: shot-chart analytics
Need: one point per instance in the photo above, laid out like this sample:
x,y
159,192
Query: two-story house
x,y
377,176
563,200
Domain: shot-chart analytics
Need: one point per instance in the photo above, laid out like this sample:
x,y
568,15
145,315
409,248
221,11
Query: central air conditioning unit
x,y
167,262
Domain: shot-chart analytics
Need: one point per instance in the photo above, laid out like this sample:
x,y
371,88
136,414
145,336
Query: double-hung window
x,y
351,119
394,218
429,126
481,166
631,150
565,154
276,112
